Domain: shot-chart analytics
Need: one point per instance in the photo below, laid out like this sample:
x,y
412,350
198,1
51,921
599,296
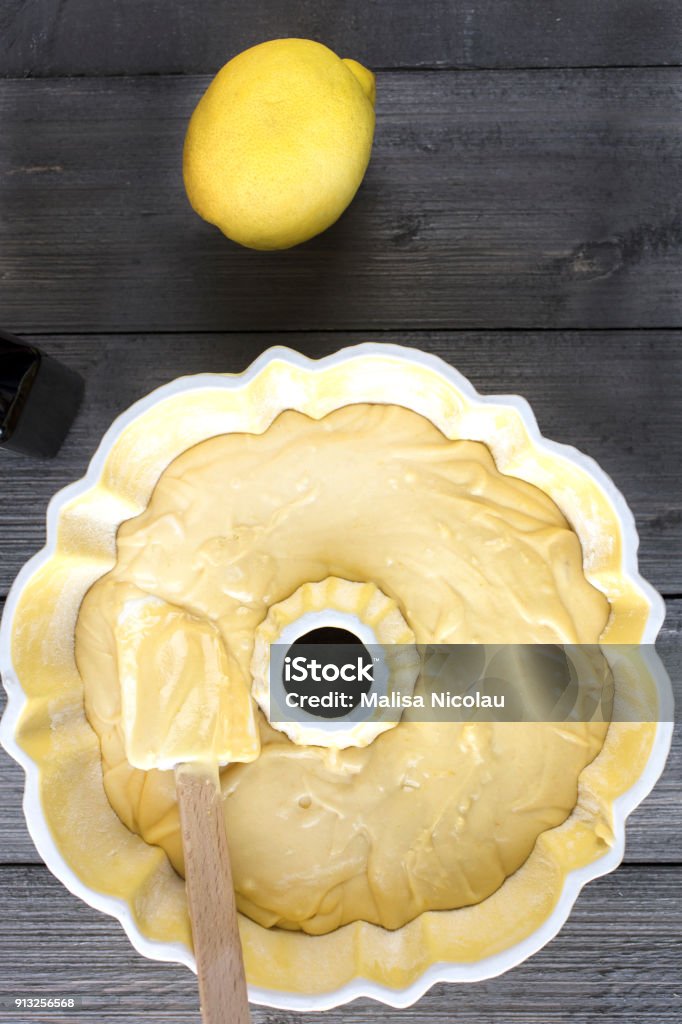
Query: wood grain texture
x,y
495,200
654,831
507,199
45,37
210,896
626,926
614,395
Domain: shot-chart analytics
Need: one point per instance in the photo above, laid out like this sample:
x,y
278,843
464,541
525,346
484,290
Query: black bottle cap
x,y
39,399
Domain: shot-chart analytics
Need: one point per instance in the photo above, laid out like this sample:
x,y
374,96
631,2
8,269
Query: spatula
x,y
210,895
184,706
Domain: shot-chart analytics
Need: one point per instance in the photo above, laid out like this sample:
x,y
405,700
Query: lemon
x,y
279,143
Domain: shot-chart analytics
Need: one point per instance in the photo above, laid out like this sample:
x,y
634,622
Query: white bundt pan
x,y
281,378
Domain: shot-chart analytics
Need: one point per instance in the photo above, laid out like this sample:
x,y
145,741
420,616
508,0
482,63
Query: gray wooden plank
x,y
493,199
617,958
654,831
95,37
615,395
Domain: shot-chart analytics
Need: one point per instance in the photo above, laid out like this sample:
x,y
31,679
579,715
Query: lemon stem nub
x,y
365,77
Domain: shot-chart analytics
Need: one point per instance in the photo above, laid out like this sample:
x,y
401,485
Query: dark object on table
x,y
39,399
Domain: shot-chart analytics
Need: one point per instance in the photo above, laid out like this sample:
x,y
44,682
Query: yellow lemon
x,y
279,143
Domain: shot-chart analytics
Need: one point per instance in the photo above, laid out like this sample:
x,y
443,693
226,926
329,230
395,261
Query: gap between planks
x,y
440,69
391,331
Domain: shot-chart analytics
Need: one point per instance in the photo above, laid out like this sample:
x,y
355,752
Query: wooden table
x,y
520,217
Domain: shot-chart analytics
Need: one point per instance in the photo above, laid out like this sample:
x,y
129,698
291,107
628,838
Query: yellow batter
x,y
428,816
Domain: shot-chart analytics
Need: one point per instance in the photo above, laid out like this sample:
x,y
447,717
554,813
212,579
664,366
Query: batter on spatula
x,y
179,710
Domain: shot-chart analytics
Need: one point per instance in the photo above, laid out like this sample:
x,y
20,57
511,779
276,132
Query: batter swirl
x,y
428,816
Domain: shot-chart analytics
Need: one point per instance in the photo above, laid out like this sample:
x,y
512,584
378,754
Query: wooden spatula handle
x,y
208,877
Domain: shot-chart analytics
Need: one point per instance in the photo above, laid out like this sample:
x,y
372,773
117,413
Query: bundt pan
x,y
44,728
